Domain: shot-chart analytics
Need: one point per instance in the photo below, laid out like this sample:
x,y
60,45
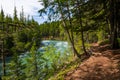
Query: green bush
x,y
92,37
108,42
104,42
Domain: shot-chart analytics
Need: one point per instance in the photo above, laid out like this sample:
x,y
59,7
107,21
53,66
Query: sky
x,y
31,8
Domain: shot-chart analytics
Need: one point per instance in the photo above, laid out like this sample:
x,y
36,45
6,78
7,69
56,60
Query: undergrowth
x,y
106,41
59,75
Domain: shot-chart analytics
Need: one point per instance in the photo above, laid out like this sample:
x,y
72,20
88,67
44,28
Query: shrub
x,y
106,41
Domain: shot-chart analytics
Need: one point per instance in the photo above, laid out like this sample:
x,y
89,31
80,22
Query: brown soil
x,y
104,64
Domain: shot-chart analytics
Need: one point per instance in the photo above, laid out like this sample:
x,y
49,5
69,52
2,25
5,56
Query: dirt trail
x,y
104,64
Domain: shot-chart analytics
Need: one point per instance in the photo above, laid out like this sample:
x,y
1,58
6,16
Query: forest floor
x,y
104,64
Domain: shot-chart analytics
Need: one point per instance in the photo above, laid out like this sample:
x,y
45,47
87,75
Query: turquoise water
x,y
60,47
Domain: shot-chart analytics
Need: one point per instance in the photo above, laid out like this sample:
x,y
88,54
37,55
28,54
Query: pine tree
x,y
32,65
2,15
2,39
22,16
15,68
15,17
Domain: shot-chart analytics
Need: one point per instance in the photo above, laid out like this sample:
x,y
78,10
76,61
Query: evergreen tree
x,y
107,11
32,64
15,17
22,16
2,16
2,39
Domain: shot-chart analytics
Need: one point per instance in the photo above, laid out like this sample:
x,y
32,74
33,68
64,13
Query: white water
x,y
60,46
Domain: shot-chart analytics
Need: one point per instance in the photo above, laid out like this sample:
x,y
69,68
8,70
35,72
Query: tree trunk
x,y
67,31
109,30
81,26
72,33
115,44
71,41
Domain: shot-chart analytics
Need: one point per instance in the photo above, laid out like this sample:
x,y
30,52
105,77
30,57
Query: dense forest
x,y
79,22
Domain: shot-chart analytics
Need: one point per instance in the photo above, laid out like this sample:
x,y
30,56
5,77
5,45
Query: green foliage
x,y
118,41
104,42
100,35
2,15
32,65
51,30
64,70
96,19
9,43
18,36
92,37
36,65
15,18
15,69
54,61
